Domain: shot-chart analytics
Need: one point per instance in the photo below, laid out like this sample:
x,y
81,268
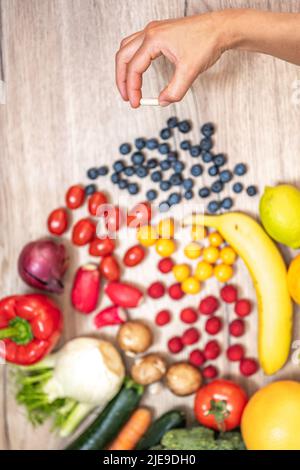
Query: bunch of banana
x,y
269,275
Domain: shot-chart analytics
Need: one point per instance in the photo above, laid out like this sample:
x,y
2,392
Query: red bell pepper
x,y
30,326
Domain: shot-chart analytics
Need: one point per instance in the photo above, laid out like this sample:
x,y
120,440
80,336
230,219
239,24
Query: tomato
x,y
75,196
134,256
101,246
113,218
95,201
140,215
83,232
110,268
220,404
58,221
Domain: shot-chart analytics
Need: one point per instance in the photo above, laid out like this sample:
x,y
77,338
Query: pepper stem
x,y
18,330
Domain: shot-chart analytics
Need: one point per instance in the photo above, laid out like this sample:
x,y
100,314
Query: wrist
x,y
233,27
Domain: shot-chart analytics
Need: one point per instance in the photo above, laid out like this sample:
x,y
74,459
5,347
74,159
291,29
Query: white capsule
x,y
149,102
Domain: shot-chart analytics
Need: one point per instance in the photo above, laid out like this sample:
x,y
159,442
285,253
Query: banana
x,y
269,275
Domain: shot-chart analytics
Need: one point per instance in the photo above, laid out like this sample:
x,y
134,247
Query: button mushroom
x,y
183,378
134,337
149,369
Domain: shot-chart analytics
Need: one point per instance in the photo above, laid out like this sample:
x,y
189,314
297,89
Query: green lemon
x,y
280,214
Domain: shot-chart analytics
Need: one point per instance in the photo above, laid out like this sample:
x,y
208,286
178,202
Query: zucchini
x,y
170,420
107,425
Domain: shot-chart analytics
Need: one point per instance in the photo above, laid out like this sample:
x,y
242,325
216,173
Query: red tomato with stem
x,y
220,404
140,215
75,196
83,232
95,201
134,256
110,268
101,246
58,221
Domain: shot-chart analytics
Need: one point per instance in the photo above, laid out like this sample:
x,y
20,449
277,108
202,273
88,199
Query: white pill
x,y
149,102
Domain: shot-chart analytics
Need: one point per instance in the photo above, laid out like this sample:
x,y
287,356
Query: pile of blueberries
x,y
167,170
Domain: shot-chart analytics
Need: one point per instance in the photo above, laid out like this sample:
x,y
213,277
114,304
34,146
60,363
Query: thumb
x,y
180,83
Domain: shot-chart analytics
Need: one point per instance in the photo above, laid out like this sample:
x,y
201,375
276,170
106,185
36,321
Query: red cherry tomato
x,y
83,232
58,221
101,246
110,268
134,256
75,196
140,215
113,218
95,201
220,404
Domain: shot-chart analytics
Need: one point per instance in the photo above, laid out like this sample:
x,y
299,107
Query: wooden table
x,y
63,114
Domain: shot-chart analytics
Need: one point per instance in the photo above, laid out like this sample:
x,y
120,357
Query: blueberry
x,y
129,171
196,170
152,144
172,156
172,122
92,173
152,163
156,176
165,185
103,170
251,191
219,159
178,166
165,165
217,187
164,206
207,129
142,171
185,145
237,187
206,143
226,176
227,203
213,170
140,143
176,179
204,192
213,206
118,166
151,194
240,169
164,149
90,189
184,127
174,198
133,188
195,151
123,184
124,149
189,195
137,158
165,133
188,183
115,178
207,157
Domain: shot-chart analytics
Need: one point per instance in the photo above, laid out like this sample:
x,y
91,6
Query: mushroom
x,y
183,378
149,369
134,337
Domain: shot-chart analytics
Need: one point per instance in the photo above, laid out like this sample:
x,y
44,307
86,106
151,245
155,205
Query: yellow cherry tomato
x,y
166,228
165,247
191,285
192,250
203,271
198,232
215,239
147,235
228,255
211,254
223,272
181,272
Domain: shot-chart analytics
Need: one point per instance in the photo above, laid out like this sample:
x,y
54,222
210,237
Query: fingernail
x,y
164,103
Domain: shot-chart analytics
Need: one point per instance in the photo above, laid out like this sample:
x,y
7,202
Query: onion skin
x,y
42,264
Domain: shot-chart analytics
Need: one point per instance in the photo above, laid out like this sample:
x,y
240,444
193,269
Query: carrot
x,y
132,431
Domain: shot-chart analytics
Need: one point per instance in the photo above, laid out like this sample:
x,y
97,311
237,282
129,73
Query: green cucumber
x,y
107,425
170,420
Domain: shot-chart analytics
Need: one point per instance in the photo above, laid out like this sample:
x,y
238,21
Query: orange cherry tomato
x,y
75,196
101,246
134,256
110,268
83,232
58,221
139,215
95,201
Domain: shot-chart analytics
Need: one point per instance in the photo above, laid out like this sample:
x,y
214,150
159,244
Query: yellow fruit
x,y
165,247
192,250
211,254
223,272
181,272
294,279
203,271
198,233
215,239
228,255
272,416
166,228
191,285
147,235
269,274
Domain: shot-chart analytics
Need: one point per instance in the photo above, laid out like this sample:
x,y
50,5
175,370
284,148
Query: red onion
x,y
42,264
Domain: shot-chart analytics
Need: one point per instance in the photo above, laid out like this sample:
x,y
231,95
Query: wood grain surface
x,y
63,115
